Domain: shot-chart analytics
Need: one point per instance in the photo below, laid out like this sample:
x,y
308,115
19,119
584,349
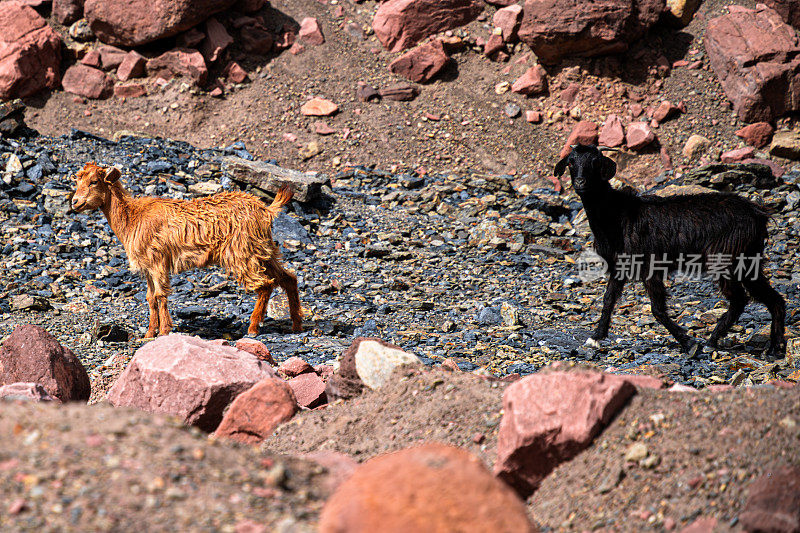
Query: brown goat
x,y
163,236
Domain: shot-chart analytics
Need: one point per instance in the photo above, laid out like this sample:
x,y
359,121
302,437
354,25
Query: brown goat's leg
x,y
152,329
161,290
260,309
288,281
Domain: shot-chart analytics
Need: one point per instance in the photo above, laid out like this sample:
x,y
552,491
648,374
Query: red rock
x,y
704,524
636,110
129,90
789,10
534,81
255,413
132,66
310,33
111,56
365,92
739,154
758,134
216,41
400,92
431,487
639,135
179,62
643,382
400,24
217,92
493,44
508,19
665,110
533,116
235,73
30,52
324,371
257,348
559,28
322,128
87,81
319,107
92,59
137,22
584,132
190,38
666,160
32,355
296,49
309,389
67,11
612,134
777,170
294,366
187,377
549,418
32,392
422,63
756,57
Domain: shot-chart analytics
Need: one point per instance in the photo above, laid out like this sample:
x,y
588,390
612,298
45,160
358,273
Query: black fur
x,y
705,224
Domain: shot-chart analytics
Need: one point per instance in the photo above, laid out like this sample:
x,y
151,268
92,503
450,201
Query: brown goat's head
x,y
92,186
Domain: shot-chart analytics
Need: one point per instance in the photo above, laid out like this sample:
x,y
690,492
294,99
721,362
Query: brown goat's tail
x,y
282,197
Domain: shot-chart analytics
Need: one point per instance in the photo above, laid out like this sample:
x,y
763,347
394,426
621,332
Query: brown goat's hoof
x,y
252,332
150,335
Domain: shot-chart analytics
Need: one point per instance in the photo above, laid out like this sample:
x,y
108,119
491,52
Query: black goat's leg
x,y
613,292
736,295
658,303
762,291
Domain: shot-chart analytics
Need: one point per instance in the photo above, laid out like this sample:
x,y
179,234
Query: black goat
x,y
716,229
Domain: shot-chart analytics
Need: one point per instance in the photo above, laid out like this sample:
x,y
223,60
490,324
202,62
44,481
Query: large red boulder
x,y
559,28
30,52
508,19
400,24
773,503
32,355
756,57
187,377
87,81
254,414
309,389
639,135
422,63
758,134
137,22
431,487
179,62
549,418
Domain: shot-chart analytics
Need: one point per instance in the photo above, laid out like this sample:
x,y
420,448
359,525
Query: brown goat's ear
x,y
607,168
561,166
112,175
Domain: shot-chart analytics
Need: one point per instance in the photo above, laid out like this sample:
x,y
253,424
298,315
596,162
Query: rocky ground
x,y
440,230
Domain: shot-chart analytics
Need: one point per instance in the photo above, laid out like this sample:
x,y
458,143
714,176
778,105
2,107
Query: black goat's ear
x,y
112,175
607,168
561,166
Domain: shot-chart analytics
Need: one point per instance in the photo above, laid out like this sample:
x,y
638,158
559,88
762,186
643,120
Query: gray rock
x,y
307,187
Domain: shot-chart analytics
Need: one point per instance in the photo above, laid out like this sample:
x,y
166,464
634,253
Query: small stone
x,y
757,135
512,110
319,107
636,452
310,33
695,146
639,135
785,144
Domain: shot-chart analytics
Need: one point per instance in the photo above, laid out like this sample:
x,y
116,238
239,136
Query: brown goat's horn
x,y
607,149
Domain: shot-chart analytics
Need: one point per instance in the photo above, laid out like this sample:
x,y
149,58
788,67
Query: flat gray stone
x,y
269,177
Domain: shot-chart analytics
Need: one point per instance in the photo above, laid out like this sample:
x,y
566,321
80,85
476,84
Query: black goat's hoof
x,y
693,348
775,352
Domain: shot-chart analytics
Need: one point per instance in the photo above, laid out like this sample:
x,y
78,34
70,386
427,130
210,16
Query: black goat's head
x,y
588,167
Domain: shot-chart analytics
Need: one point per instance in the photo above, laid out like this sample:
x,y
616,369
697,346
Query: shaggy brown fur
x,y
163,236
